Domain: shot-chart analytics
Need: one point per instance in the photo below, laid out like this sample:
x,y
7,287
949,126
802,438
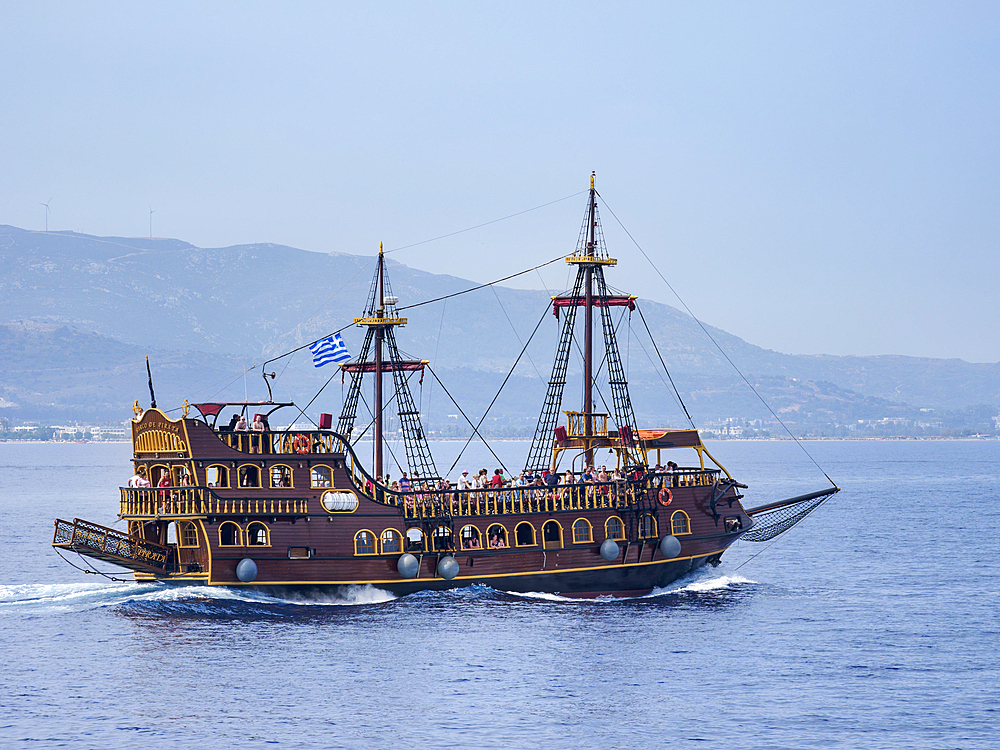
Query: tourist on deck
x,y
257,440
465,483
404,483
241,424
232,421
497,481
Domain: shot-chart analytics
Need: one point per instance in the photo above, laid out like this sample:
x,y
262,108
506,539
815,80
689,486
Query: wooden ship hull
x,y
294,511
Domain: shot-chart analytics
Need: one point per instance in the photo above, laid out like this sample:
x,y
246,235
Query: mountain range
x,y
79,314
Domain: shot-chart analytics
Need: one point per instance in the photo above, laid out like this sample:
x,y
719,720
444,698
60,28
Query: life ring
x,y
302,443
665,497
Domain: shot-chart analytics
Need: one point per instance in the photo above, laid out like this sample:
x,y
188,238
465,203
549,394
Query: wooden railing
x,y
200,501
281,443
531,499
110,544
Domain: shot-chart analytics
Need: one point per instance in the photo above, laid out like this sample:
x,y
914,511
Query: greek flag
x,y
332,349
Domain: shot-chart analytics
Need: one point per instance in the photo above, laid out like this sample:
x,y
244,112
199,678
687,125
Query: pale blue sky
x,y
816,178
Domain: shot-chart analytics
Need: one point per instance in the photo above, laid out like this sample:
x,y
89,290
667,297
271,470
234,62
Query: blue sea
x,y
874,623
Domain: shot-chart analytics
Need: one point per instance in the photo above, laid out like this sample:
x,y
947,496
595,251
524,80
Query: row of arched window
x,y
366,542
278,476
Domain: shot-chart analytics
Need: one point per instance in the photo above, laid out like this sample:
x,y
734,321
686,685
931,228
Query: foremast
x,y
590,290
380,354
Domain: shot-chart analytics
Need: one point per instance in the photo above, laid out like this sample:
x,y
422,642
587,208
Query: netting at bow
x,y
770,523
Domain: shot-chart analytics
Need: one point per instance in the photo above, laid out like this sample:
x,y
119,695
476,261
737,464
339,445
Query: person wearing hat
x,y
465,483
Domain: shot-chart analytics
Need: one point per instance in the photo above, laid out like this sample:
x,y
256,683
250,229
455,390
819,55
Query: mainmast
x,y
380,354
587,430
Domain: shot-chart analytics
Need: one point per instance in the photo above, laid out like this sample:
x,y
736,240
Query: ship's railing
x,y
531,499
281,442
200,501
90,538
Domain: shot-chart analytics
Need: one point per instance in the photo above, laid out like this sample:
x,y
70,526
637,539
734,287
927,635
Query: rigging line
x,y
474,428
91,572
717,345
485,224
657,349
437,346
385,442
523,350
673,392
480,286
504,309
302,409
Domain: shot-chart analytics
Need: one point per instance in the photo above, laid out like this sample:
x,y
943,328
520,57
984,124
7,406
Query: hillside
x,y
80,313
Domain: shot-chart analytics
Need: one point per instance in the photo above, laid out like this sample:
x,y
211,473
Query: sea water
x,y
875,623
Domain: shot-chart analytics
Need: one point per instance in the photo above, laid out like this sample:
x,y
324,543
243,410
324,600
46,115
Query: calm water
x,y
873,624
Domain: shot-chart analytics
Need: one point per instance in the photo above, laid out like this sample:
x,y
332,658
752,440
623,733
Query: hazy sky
x,y
816,178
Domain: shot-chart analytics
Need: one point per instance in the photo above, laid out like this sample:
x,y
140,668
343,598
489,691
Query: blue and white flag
x,y
332,349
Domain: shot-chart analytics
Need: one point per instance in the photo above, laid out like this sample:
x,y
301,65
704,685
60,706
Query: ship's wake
x,y
218,601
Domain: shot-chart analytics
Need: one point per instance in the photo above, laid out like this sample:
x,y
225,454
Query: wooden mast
x,y
588,345
379,335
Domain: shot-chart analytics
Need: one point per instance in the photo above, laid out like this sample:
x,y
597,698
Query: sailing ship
x,y
296,510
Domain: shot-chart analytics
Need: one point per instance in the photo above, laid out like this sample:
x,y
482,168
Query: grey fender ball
x,y
246,571
670,546
407,565
448,567
609,550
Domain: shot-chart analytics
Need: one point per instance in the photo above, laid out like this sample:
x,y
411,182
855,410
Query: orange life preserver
x,y
665,497
302,443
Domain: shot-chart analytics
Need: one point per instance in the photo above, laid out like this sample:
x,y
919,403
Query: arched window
x,y
230,535
470,538
156,474
392,542
614,528
647,526
442,539
496,536
281,476
551,535
257,535
583,532
217,476
188,534
414,539
364,543
249,476
680,523
321,476
172,532
524,534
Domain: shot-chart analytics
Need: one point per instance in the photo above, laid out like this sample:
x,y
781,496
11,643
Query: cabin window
x,y
583,532
230,535
188,534
364,543
496,536
442,539
392,542
257,535
414,539
680,523
470,538
172,533
733,524
249,476
281,476
647,526
320,476
524,534
299,553
217,476
552,535
614,528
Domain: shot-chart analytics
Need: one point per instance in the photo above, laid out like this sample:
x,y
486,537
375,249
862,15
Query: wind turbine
x,y
151,212
46,204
